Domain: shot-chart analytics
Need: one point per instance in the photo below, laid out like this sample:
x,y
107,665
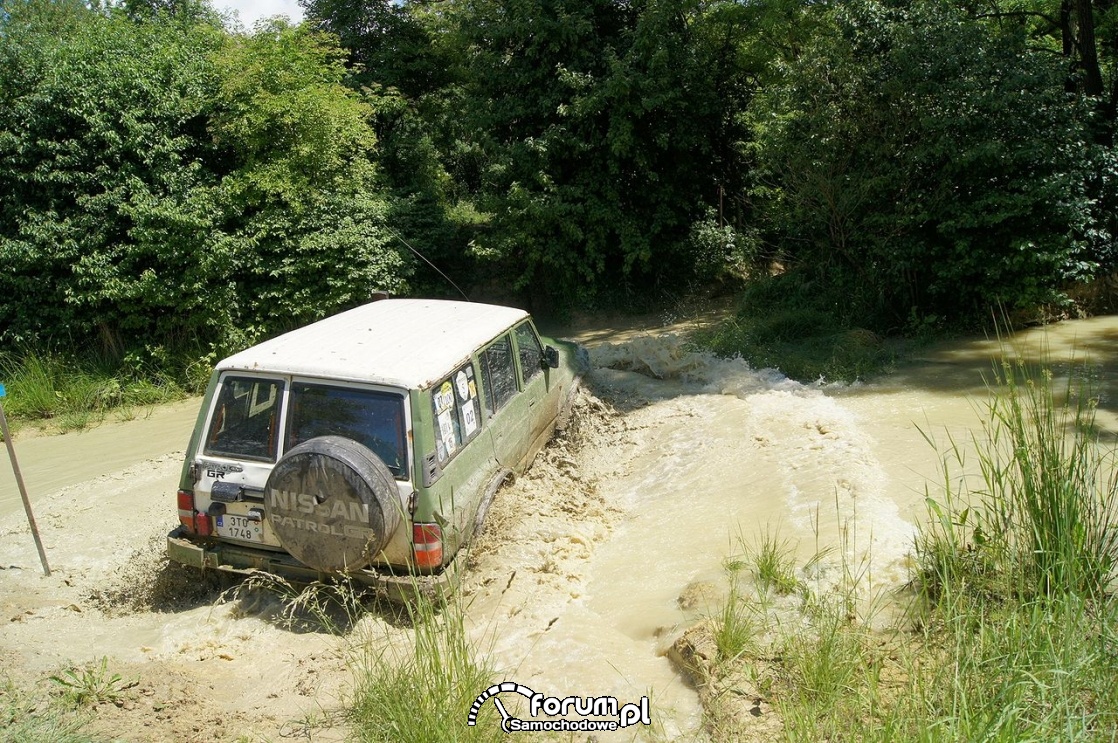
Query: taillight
x,y
186,509
194,522
427,541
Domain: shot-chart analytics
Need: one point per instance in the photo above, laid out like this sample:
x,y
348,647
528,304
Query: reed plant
x,y
1008,629
422,691
1043,669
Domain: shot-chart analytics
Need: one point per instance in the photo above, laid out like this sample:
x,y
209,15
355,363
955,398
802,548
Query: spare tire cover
x,y
332,503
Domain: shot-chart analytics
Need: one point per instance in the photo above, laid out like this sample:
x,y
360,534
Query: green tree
x,y
168,184
299,208
927,162
390,44
398,57
599,129
102,167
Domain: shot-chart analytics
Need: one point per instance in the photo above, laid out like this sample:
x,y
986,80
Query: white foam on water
x,y
821,464
712,454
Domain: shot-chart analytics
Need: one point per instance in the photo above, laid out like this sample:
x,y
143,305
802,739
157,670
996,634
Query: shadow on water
x,y
964,367
1075,352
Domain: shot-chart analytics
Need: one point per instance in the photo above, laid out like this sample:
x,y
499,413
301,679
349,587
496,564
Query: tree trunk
x,y
1088,49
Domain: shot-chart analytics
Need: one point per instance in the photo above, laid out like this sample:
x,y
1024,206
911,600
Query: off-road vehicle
x,y
368,444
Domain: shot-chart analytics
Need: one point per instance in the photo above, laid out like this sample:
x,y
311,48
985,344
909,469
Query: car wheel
x,y
503,476
332,503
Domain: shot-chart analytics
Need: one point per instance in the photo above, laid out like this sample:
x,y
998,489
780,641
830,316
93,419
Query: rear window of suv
x,y
369,417
245,419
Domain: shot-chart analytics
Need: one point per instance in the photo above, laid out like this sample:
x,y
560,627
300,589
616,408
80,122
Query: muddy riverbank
x,y
591,566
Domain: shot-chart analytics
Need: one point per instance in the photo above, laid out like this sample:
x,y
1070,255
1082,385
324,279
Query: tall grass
x,y
1039,670
416,672
423,692
70,393
1044,519
808,651
1011,633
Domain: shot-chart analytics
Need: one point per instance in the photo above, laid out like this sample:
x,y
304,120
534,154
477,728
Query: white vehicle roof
x,y
409,343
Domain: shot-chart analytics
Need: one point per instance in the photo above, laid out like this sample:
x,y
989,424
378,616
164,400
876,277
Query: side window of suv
x,y
500,373
530,351
457,412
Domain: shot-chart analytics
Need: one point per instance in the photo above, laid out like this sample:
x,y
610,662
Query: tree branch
x,y
1018,14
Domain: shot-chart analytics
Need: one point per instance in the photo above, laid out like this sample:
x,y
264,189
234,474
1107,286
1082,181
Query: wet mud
x,y
592,568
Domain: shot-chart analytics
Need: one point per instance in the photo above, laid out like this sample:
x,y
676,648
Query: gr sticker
x,y
590,713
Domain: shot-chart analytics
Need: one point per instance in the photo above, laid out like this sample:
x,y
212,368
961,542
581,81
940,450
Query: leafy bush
x,y
925,161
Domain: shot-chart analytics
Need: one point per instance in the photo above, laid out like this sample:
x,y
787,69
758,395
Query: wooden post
x,y
22,487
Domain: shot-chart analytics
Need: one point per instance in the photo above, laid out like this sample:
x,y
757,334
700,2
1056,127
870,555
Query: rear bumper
x,y
239,560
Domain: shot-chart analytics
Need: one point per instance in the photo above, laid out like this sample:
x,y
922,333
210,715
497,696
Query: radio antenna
x,y
429,263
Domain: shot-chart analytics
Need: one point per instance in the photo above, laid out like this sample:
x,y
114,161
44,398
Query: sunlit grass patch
x,y
422,690
74,394
415,670
1038,670
27,716
773,563
800,643
92,683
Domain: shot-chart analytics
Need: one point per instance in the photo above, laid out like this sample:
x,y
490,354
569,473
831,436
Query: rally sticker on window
x,y
469,418
444,398
463,386
446,432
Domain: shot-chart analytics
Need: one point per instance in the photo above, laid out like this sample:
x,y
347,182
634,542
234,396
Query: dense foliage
x,y
168,183
927,161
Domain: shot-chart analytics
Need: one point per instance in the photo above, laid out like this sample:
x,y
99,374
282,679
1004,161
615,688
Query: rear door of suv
x,y
238,452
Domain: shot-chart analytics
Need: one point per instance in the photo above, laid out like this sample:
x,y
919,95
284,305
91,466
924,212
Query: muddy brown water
x,y
593,562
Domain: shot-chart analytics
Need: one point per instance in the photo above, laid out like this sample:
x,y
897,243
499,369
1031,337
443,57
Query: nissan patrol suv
x,y
368,444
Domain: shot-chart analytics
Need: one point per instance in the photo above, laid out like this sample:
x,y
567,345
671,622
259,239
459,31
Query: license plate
x,y
239,527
